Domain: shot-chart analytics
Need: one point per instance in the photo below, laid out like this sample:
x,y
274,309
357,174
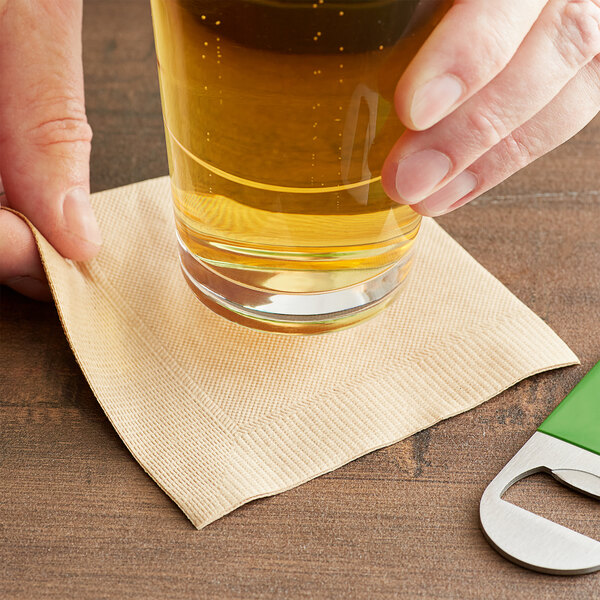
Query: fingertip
x,y
402,97
20,264
457,193
30,287
73,247
82,238
388,179
426,105
67,221
77,250
76,234
462,202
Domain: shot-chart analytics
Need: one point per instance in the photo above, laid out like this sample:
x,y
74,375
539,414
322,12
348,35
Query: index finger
x,y
474,41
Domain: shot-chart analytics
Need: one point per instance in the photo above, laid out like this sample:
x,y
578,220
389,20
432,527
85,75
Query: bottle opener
x,y
567,446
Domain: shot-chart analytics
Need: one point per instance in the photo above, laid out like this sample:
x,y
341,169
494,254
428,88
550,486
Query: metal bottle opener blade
x,y
567,446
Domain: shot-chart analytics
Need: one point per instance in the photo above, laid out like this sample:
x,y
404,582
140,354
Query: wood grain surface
x,y
80,519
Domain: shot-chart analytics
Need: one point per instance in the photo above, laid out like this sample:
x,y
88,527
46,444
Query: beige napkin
x,y
218,414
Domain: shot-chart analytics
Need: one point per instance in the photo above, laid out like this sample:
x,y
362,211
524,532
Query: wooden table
x,y
80,519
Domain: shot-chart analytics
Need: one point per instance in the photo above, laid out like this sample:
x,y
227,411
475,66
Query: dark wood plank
x,y
80,519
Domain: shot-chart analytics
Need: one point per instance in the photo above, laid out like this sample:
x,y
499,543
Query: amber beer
x,y
278,117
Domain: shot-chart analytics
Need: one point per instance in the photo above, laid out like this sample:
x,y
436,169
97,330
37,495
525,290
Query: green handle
x,y
577,418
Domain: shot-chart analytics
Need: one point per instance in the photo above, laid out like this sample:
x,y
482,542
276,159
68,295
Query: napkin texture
x,y
218,414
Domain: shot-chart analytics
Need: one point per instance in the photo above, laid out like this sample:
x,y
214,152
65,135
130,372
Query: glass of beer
x,y
278,117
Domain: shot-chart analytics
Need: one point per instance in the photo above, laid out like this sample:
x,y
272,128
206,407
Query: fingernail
x,y
449,196
79,217
418,174
434,99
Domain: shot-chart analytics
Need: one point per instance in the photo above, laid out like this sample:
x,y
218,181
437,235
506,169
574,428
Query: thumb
x,y
44,134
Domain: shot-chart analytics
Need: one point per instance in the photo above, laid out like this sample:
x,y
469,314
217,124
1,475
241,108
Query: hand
x,y
498,84
44,140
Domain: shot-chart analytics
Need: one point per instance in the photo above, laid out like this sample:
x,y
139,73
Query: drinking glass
x,y
278,116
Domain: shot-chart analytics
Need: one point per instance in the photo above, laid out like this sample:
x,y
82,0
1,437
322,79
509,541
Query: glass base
x,y
292,313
